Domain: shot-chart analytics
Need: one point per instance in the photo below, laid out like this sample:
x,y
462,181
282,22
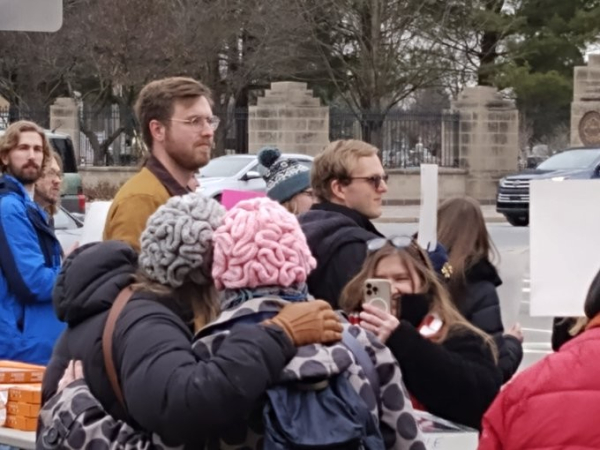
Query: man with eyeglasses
x,y
348,182
47,187
178,127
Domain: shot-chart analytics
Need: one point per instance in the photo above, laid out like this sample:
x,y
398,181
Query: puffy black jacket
x,y
456,380
166,389
337,237
480,305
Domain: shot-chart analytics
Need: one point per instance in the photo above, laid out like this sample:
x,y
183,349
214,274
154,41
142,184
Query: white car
x,y
238,172
68,228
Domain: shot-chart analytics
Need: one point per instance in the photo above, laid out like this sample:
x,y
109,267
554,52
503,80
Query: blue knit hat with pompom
x,y
285,177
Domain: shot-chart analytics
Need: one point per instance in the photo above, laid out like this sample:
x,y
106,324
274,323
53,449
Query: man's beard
x,y
24,174
184,161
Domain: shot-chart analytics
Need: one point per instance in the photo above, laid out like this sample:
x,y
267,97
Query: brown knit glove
x,y
312,322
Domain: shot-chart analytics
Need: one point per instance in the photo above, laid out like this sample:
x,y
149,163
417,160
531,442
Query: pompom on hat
x,y
260,244
176,245
285,177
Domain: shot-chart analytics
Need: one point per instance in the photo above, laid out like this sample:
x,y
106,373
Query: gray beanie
x,y
285,177
176,245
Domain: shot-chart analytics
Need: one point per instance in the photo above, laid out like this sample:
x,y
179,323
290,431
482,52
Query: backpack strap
x,y
107,342
364,361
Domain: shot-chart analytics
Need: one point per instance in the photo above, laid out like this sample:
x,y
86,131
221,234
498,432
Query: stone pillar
x,y
64,118
585,109
290,118
488,139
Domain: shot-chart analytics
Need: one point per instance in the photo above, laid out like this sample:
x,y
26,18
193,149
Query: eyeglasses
x,y
398,242
374,180
52,174
198,122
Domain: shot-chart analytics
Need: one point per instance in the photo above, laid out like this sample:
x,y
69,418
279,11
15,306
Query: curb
x,y
392,219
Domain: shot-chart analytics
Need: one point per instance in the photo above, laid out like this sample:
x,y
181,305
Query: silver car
x,y
238,172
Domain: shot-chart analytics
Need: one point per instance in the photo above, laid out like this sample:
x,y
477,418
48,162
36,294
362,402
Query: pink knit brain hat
x,y
260,244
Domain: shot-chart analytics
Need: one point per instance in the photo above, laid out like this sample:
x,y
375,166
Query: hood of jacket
x,y
483,270
312,362
328,226
91,278
9,184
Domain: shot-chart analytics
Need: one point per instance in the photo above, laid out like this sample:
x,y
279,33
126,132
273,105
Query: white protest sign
x,y
564,219
31,15
429,203
95,218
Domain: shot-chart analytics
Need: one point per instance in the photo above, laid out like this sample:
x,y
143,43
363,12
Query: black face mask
x,y
414,307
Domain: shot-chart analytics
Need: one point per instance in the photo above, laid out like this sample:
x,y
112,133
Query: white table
x,y
16,438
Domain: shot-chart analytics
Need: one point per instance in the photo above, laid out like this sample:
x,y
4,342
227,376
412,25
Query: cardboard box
x,y
16,372
23,409
21,423
26,393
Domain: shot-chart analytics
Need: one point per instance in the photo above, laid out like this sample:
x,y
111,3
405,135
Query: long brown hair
x,y
461,230
418,263
197,302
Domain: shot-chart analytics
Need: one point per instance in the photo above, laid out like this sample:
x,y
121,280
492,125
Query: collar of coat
x,y
360,219
166,179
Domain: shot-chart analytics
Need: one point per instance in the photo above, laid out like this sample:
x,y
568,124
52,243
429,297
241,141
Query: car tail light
x,y
81,199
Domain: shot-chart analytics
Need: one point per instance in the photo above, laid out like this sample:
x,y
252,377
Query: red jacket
x,y
554,404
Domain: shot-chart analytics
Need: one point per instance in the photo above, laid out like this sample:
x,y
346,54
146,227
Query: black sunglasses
x,y
374,180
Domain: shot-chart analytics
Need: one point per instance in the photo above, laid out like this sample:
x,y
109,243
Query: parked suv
x,y
71,197
237,172
513,190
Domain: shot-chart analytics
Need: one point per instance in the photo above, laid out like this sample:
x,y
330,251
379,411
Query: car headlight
x,y
502,182
557,178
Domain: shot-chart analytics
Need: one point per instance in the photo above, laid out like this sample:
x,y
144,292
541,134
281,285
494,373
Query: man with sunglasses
x,y
178,128
348,182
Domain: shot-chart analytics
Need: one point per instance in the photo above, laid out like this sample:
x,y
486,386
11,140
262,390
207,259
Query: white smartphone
x,y
378,292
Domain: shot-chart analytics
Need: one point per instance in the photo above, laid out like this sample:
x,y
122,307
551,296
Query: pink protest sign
x,y
229,197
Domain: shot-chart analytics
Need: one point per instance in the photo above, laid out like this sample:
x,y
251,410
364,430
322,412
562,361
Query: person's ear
x,y
157,130
338,189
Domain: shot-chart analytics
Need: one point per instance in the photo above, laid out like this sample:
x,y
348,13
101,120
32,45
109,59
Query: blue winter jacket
x,y
29,265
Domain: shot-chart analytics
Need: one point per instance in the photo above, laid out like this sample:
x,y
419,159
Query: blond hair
x,y
461,230
11,137
336,162
157,99
417,262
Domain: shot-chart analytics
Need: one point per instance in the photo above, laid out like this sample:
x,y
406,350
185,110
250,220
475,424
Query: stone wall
x,y
488,139
99,181
290,118
585,108
64,118
404,185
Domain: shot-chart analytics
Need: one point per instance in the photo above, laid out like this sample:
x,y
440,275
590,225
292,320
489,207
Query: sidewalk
x,y
410,214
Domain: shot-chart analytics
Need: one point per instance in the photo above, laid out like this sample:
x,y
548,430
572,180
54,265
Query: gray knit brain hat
x,y
176,245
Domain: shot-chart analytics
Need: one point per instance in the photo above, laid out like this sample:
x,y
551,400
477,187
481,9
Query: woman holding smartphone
x,y
449,366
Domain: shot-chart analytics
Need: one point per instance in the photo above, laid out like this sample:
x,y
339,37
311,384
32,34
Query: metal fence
x,y
406,139
108,137
9,115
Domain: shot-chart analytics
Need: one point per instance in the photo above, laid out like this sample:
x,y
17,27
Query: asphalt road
x,y
513,245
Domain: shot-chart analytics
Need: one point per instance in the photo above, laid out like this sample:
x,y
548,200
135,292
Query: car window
x,y
64,147
62,221
226,166
570,160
